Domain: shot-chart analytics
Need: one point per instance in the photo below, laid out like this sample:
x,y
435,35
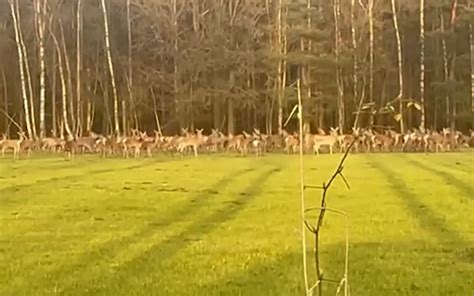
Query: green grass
x,y
223,225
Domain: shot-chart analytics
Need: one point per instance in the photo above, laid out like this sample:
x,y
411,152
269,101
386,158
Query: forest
x,y
109,66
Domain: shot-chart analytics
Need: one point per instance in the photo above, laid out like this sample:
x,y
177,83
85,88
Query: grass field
x,y
222,225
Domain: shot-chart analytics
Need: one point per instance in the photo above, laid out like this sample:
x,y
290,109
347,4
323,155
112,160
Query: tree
x,y
111,68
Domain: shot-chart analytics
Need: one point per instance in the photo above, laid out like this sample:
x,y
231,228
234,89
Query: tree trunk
x,y
445,69
54,129
230,111
371,56
400,66
5,100
63,87
422,65
41,13
21,65
471,42
68,76
78,66
26,64
355,65
111,69
130,72
230,115
177,103
453,64
339,83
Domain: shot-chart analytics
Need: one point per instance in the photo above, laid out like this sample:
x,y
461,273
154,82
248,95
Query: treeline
x,y
112,65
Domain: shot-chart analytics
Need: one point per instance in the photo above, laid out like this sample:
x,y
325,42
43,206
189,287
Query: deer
x,y
134,143
51,144
235,142
318,140
346,140
26,144
13,144
193,141
258,142
216,140
291,143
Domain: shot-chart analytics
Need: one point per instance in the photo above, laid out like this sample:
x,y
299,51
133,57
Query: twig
x,y
12,120
316,229
302,189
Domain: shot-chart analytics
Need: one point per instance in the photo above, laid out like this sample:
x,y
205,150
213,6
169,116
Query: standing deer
x,y
193,141
10,144
318,140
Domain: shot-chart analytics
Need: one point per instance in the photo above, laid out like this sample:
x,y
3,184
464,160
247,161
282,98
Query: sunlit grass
x,y
224,225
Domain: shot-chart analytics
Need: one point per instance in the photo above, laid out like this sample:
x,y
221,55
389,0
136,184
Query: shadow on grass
x,y
374,269
153,258
466,188
427,218
45,182
107,250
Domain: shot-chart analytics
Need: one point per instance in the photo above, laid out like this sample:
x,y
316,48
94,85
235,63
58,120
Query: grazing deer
x,y
10,144
26,144
51,144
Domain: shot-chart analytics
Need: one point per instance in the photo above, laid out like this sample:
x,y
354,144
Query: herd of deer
x,y
364,140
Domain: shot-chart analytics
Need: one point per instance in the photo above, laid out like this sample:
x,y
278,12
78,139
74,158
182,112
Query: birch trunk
x,y
78,67
5,100
130,72
53,99
41,13
340,90
22,69
111,68
26,64
68,75
445,67
280,68
422,65
355,65
175,63
471,41
371,56
400,66
65,121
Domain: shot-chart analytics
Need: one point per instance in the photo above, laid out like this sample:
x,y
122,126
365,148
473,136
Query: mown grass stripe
x,y
108,249
155,256
466,189
427,218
